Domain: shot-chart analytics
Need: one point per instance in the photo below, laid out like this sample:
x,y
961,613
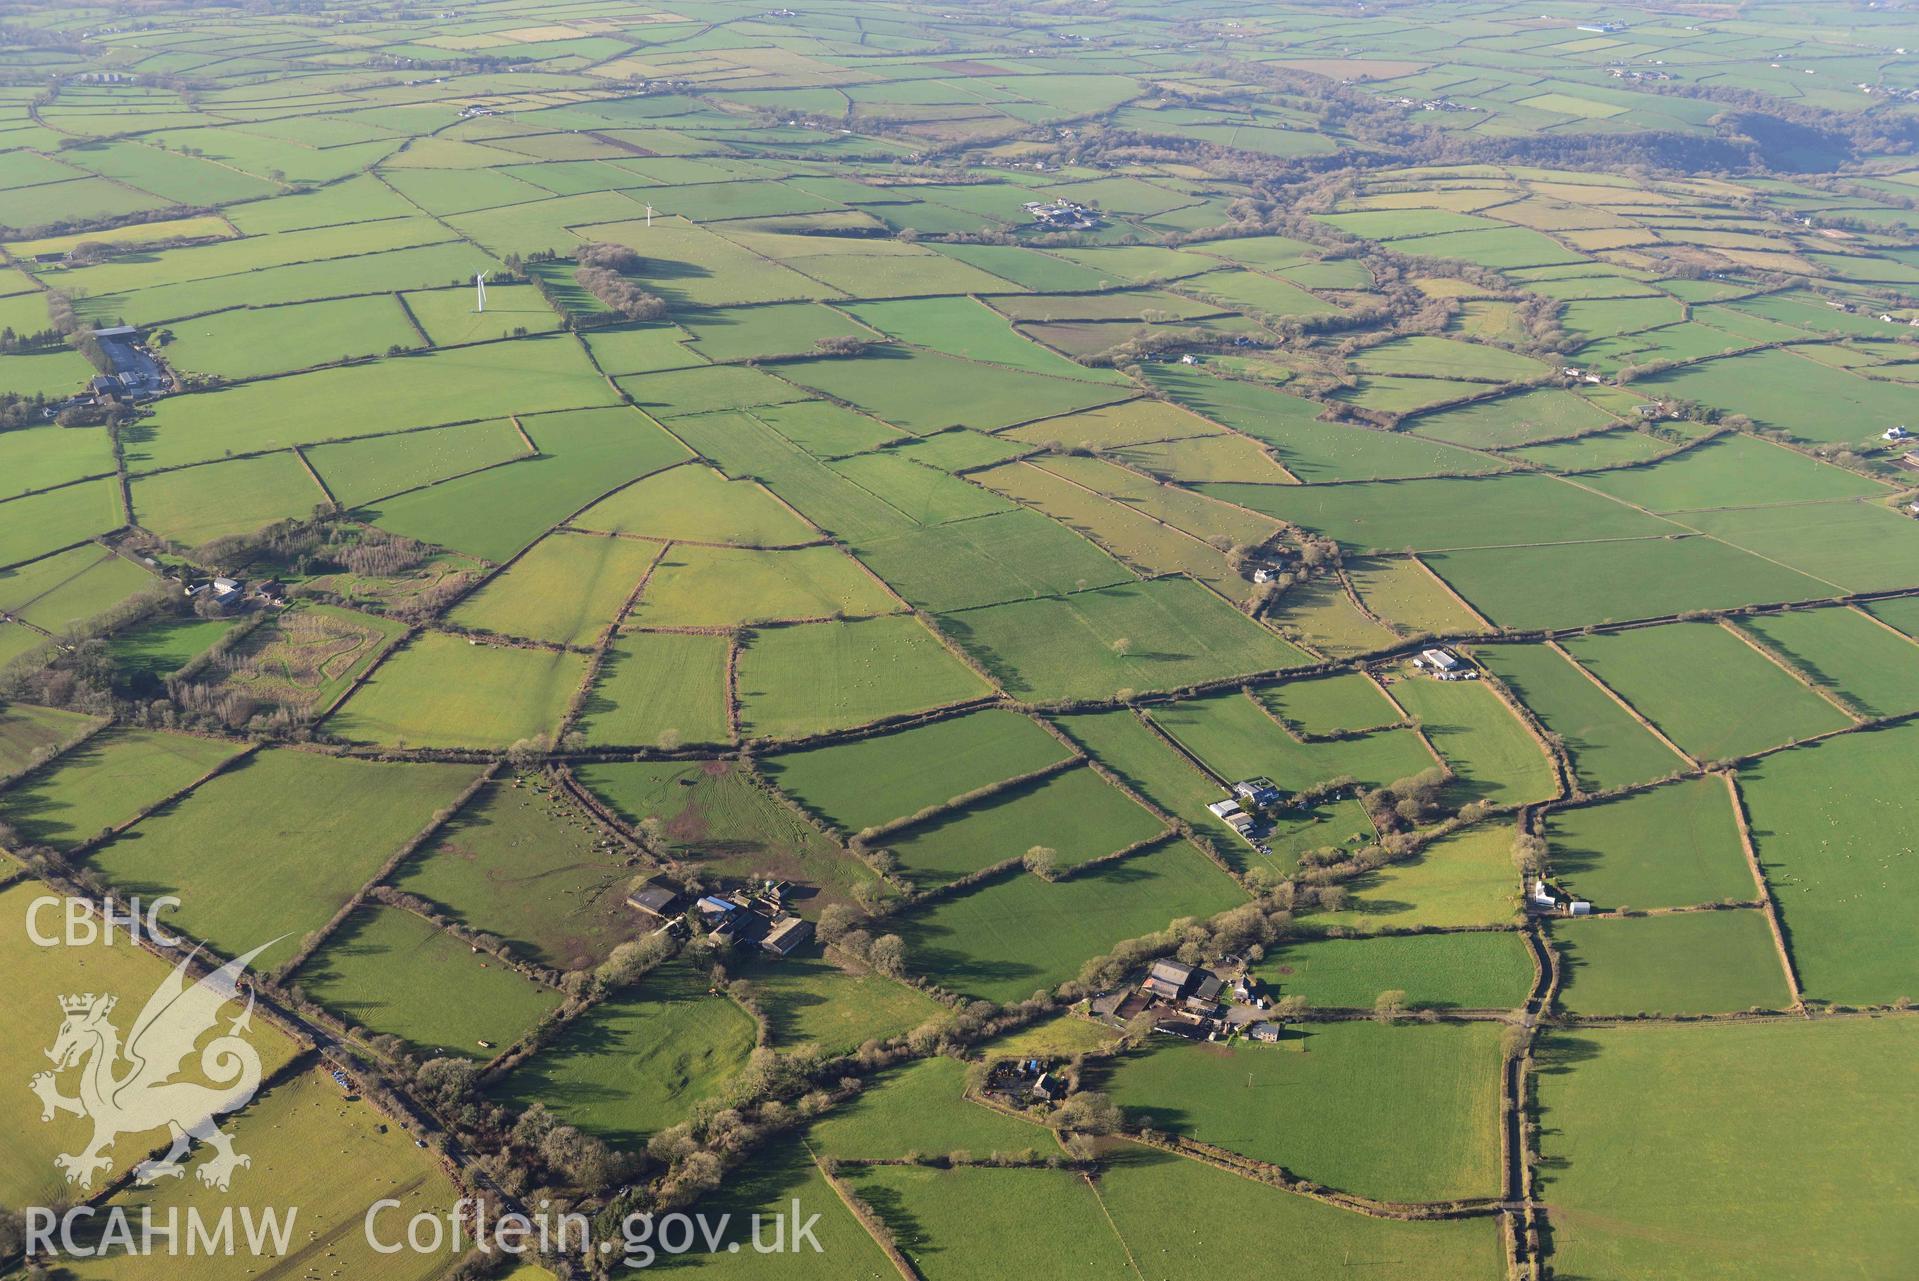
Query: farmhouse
x,y
1063,215
1603,28
1260,793
1896,433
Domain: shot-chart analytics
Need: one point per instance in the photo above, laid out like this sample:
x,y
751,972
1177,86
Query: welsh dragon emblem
x,y
130,1088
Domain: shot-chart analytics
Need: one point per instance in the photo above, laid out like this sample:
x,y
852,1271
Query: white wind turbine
x,y
479,289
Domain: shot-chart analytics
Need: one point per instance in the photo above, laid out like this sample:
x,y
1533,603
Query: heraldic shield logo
x,y
149,1080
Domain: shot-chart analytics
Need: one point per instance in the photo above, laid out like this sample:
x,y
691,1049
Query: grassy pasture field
x,y
1607,746
870,781
694,585
1519,419
34,458
969,1222
1238,738
1474,970
1404,592
497,512
1448,513
1174,633
69,589
600,575
445,691
526,376
814,1001
1848,652
1782,389
640,1060
1015,555
1202,1236
652,685
361,471
1492,751
918,391
1344,703
393,972
369,1158
110,778
1415,1107
39,976
1004,940
920,1108
1676,845
1760,1150
195,505
1732,471
30,734
1679,963
251,341
697,504
325,823
1571,585
810,679
713,811
1705,689
1147,763
449,318
1831,829
521,863
1462,879
41,523
158,649
1077,814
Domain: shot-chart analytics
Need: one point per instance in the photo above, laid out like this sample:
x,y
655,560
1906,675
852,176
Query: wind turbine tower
x,y
649,215
479,289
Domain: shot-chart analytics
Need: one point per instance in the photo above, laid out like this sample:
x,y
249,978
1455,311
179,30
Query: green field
x,y
1479,969
1189,1220
1407,1113
637,1062
654,684
600,573
919,1108
1831,831
390,971
1607,746
715,812
109,779
369,1158
39,976
1076,813
969,1222
523,864
1848,652
1728,1150
798,681
327,824
1674,846
1009,938
1462,879
443,691
1680,963
698,505
1238,738
814,1001
700,586
1494,754
1709,692
31,734
1342,704
875,780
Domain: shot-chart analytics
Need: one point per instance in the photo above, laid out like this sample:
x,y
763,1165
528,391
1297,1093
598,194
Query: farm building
x,y
1443,664
1896,433
656,901
787,935
1260,793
